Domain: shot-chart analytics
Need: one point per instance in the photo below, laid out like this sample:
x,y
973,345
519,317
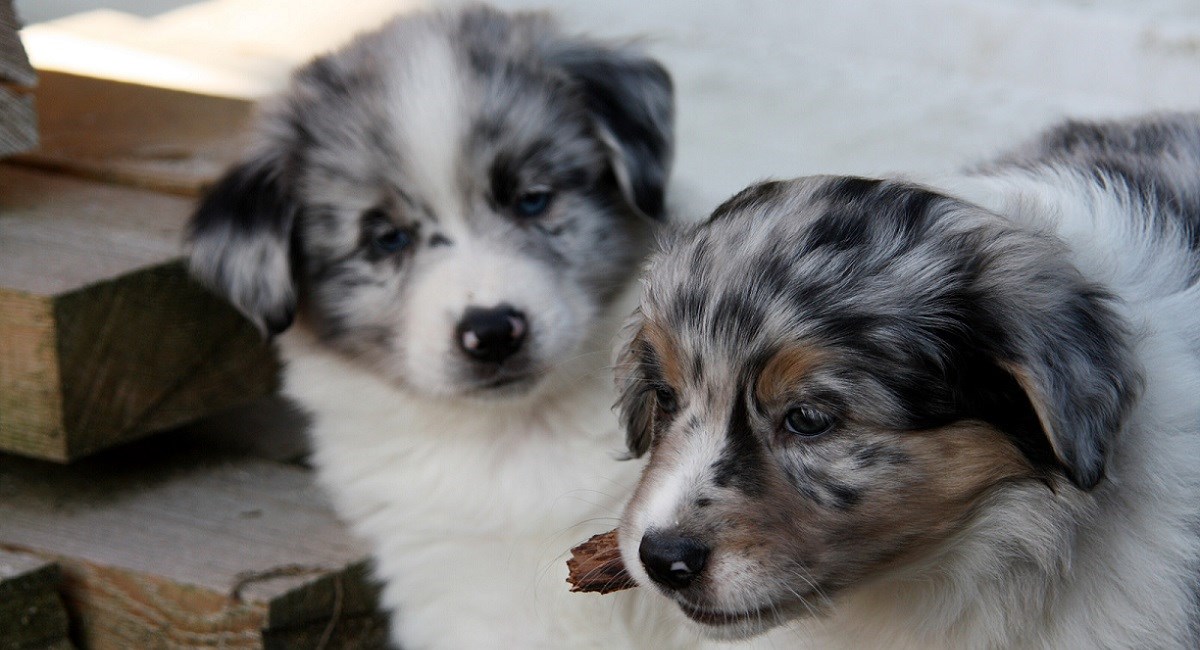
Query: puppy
x,y
897,416
451,210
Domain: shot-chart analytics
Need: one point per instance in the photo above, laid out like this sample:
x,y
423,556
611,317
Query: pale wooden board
x,y
233,48
157,542
30,386
149,137
103,335
59,234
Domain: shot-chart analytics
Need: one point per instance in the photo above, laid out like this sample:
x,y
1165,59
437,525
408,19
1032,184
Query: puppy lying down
x,y
441,222
962,415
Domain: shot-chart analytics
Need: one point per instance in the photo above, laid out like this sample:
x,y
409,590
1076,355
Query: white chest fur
x,y
471,507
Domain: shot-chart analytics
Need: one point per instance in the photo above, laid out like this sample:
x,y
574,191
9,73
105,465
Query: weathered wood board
x,y
32,615
18,122
103,337
164,545
155,138
228,48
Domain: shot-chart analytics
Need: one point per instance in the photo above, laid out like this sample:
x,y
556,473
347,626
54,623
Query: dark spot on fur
x,y
847,189
843,496
754,196
741,463
877,453
688,306
834,230
737,315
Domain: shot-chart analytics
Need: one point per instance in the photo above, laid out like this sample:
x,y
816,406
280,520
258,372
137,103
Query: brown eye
x,y
665,398
807,422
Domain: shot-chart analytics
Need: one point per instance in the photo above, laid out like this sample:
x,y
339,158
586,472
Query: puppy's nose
x,y
672,560
491,334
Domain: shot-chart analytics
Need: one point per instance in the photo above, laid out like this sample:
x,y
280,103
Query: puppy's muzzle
x,y
491,335
672,560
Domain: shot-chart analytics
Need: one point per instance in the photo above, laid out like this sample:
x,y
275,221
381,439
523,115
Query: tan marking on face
x,y
906,510
929,499
786,369
664,347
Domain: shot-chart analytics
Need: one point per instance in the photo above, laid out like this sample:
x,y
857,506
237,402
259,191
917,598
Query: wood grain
x,y
154,138
186,548
31,612
18,122
14,64
103,336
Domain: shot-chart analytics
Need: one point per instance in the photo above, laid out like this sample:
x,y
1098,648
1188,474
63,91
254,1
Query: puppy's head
x,y
833,375
451,200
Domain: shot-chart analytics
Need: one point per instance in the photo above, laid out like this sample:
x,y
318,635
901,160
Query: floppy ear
x,y
632,102
239,241
635,403
1069,352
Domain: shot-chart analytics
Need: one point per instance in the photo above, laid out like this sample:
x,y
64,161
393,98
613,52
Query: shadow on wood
x,y
103,337
184,540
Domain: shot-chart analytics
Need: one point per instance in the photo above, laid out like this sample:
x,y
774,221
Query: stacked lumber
x,y
180,542
18,123
229,48
103,336
32,615
184,539
152,138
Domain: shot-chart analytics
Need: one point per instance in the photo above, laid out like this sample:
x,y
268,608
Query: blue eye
x,y
532,204
807,422
391,241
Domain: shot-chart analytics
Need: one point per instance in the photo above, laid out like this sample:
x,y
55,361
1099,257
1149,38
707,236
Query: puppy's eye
x,y
383,236
532,203
391,241
665,398
807,421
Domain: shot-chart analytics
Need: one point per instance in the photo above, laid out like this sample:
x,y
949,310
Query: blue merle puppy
x,y
956,415
441,222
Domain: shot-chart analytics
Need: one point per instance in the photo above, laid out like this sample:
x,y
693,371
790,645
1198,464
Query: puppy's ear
x,y
632,101
239,241
1069,351
635,401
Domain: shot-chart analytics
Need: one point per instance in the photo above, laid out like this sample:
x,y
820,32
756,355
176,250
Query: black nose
x,y
492,334
672,560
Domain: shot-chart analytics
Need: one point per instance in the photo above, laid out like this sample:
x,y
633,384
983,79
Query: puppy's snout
x,y
491,334
672,560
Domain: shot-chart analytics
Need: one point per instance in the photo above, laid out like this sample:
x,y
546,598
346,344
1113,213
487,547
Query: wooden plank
x,y
169,545
103,336
59,234
31,612
18,123
230,48
22,574
148,137
14,64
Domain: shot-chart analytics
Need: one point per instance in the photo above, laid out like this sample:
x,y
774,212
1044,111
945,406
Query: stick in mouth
x,y
595,566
